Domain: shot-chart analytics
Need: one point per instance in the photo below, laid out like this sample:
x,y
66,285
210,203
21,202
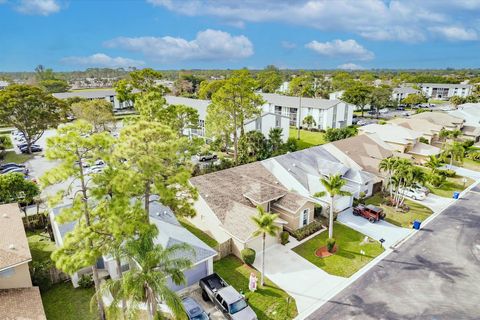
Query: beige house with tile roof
x,y
429,130
402,140
445,120
228,199
364,151
18,299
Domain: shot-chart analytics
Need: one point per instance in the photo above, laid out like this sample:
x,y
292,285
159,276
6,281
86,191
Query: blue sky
x,y
170,34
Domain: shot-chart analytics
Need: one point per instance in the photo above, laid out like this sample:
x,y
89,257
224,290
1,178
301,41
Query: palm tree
x,y
147,280
433,163
265,223
455,151
333,187
388,165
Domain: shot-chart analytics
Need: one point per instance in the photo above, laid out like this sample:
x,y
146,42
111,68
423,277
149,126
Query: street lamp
x,y
299,111
464,180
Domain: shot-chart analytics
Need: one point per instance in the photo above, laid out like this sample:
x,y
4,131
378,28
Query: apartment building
x,y
445,91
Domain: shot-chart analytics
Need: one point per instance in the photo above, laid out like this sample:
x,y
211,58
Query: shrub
x,y
86,281
317,211
248,256
309,229
423,140
284,235
330,244
291,145
40,272
436,180
447,173
382,122
468,143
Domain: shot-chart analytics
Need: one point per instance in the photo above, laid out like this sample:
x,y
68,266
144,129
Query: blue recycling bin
x,y
416,224
456,194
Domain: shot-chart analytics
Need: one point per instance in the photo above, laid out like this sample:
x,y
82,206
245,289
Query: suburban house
x,y
362,152
336,95
402,141
469,112
3,84
109,95
18,298
447,121
302,170
445,91
430,131
170,232
401,93
229,198
326,113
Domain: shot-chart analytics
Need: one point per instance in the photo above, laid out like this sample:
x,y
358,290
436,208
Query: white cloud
x,y
344,48
454,33
350,66
38,7
207,45
102,60
394,20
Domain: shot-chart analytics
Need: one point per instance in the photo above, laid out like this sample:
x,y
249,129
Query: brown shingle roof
x,y
364,151
21,304
13,240
232,194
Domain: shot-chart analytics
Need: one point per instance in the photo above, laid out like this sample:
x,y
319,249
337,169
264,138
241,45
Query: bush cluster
x,y
449,173
248,256
284,235
330,244
86,281
309,229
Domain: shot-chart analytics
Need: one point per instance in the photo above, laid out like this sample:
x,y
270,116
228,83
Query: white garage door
x,y
256,244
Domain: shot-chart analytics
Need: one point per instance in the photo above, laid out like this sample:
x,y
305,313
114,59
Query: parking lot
x,y
434,275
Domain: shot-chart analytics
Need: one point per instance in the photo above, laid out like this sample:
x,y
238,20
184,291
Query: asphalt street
x,y
433,275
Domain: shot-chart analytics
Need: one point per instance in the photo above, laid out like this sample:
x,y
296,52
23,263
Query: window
x,y
278,121
278,109
345,115
258,124
305,215
7,273
334,117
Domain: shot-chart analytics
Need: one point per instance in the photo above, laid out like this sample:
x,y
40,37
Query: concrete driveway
x,y
378,230
304,281
434,202
475,175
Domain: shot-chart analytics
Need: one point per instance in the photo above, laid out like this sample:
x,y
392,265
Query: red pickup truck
x,y
370,212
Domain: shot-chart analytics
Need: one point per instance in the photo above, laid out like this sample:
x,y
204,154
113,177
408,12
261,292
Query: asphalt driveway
x,y
378,230
433,275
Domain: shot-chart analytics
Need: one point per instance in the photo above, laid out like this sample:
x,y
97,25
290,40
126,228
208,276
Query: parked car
x,y
413,193
11,165
421,188
94,169
400,108
369,212
14,169
34,148
194,310
226,298
206,156
362,123
384,110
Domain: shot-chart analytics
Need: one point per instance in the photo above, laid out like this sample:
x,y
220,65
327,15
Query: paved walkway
x,y
304,281
378,230
475,175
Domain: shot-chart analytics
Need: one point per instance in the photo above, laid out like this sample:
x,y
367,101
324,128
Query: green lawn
x,y
63,302
347,260
198,233
308,138
451,185
398,218
40,245
11,156
436,101
469,164
269,302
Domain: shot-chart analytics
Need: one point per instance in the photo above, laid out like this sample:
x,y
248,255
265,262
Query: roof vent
x,y
158,213
294,165
11,247
5,215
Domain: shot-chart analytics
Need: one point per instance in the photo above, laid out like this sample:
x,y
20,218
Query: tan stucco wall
x,y
19,279
294,219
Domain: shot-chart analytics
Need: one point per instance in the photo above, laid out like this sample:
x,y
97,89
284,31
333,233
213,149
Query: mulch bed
x,y
322,252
